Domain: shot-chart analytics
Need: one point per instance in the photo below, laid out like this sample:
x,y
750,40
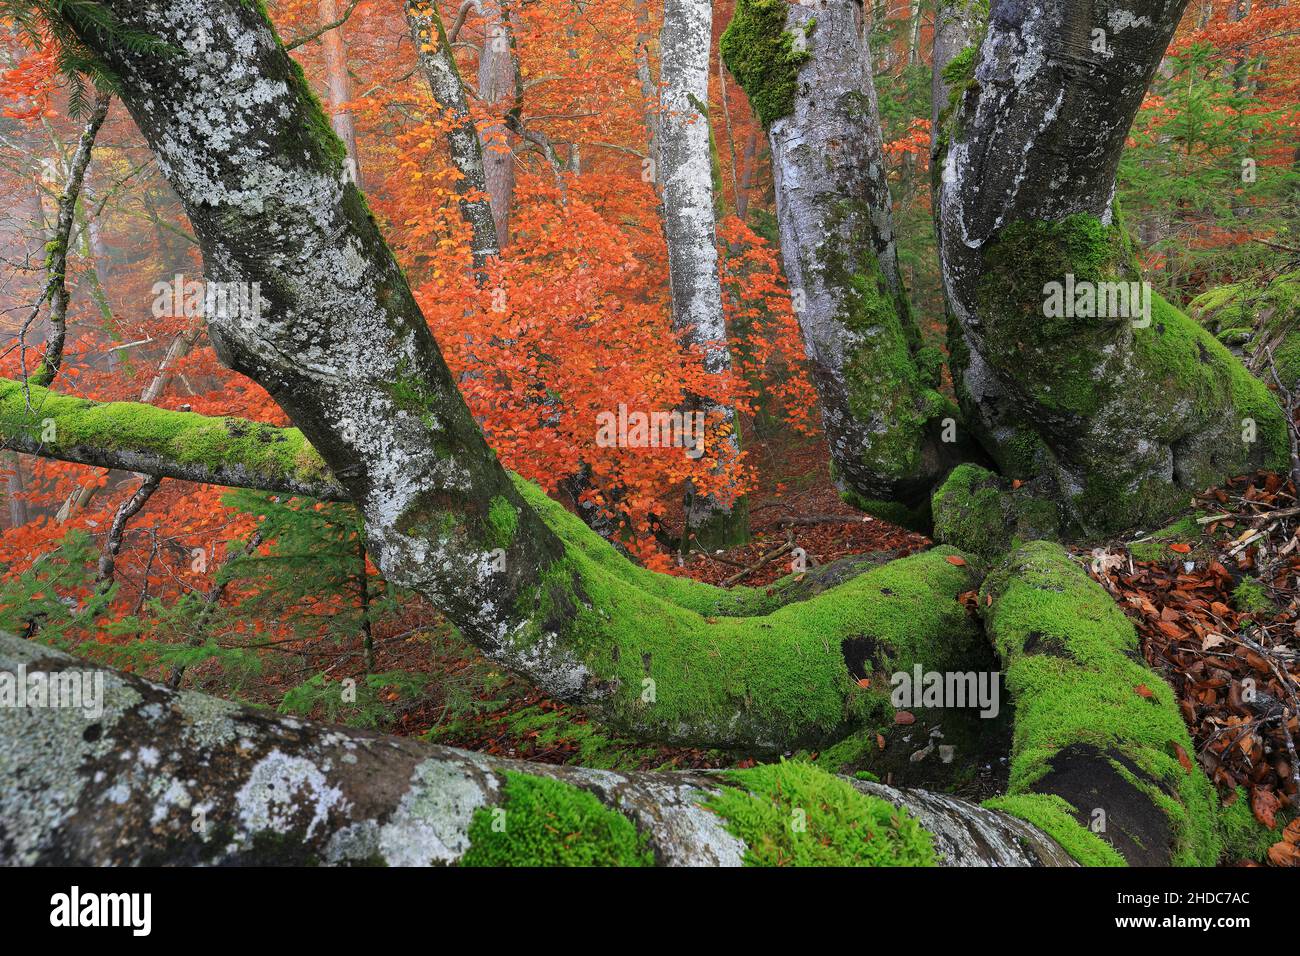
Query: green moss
x,y
503,522
1254,316
980,513
968,512
551,823
760,53
1058,819
1244,837
1072,669
776,679
1096,389
184,437
1156,546
792,814
1251,597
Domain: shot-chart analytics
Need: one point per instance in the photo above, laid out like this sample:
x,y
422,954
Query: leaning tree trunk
x,y
339,342
1111,406
690,228
807,71
174,777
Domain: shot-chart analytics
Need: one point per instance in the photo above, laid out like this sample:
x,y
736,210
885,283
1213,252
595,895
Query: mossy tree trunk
x,y
1114,414
174,777
685,160
807,70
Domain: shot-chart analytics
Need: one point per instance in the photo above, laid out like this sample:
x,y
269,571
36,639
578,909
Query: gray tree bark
x,y
175,777
438,64
883,416
499,84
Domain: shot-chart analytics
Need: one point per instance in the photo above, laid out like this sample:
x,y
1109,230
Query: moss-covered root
x,y
1100,752
156,776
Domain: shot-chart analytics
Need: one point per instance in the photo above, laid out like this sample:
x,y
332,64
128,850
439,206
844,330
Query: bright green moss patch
x,y
761,54
1251,597
503,521
1058,820
545,822
784,678
1072,670
64,423
1244,837
792,814
1155,547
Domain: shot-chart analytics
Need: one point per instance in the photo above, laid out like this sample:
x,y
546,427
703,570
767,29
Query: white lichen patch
x,y
280,791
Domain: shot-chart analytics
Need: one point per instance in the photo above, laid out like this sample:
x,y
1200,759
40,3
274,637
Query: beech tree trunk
x,y
690,228
175,777
338,83
498,85
1113,418
884,418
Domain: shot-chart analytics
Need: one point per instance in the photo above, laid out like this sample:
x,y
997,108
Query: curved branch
x,y
168,444
56,257
317,34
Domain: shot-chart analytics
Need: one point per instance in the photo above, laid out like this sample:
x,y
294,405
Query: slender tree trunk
x,y
498,86
1113,411
15,488
691,231
339,84
649,90
438,64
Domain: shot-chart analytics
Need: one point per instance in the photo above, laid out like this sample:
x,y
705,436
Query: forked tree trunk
x,y
690,229
807,69
340,343
1114,417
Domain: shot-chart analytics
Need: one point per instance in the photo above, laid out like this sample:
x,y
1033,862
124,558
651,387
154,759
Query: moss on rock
x,y
980,513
